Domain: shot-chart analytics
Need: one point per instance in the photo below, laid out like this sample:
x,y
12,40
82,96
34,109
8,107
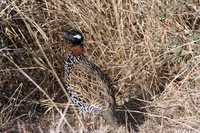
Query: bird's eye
x,y
77,36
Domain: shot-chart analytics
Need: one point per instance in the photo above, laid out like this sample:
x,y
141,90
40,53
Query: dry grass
x,y
150,49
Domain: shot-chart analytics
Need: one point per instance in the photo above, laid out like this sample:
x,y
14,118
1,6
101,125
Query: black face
x,y
74,36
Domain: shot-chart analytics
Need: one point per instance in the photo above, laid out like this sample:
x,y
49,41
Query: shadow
x,y
131,113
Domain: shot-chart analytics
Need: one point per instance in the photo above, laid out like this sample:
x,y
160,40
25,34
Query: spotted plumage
x,y
87,85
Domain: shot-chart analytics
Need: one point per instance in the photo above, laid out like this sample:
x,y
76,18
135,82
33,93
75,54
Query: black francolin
x,y
87,85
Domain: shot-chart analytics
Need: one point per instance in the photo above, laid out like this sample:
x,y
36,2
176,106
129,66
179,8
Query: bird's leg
x,y
101,121
85,122
83,119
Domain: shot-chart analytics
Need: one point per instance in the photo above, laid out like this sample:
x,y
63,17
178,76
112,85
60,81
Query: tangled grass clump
x,y
150,49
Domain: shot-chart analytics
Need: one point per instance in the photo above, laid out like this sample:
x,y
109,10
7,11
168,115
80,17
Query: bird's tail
x,y
109,116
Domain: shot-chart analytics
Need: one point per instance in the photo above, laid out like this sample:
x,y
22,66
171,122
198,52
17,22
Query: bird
x,y
88,87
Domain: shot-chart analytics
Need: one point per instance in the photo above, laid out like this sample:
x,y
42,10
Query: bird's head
x,y
74,36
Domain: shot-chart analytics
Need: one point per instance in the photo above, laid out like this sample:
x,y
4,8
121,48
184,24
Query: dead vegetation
x,y
150,49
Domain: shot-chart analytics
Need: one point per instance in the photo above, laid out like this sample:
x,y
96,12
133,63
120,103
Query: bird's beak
x,y
66,35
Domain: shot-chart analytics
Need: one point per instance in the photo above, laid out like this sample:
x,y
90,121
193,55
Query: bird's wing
x,y
89,85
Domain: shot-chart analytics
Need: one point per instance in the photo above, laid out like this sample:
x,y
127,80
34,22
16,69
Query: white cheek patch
x,y
77,36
